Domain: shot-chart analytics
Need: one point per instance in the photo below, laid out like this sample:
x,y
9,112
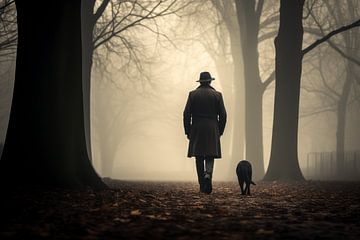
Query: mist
x,y
149,134
143,112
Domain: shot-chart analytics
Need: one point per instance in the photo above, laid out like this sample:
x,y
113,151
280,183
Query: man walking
x,y
204,123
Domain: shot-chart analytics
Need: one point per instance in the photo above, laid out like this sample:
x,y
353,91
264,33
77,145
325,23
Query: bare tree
x,y
284,159
347,44
110,26
47,104
253,30
204,24
225,42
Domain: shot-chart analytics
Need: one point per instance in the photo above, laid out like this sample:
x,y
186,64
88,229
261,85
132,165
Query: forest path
x,y
176,210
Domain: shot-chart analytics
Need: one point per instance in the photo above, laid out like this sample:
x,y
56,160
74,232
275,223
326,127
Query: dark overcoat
x,y
204,121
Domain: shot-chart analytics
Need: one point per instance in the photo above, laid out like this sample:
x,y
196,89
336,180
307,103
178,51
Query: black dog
x,y
244,174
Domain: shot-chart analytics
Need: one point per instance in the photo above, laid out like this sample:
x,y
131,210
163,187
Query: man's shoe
x,y
202,187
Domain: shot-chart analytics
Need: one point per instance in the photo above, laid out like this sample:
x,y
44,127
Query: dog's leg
x,y
247,187
241,183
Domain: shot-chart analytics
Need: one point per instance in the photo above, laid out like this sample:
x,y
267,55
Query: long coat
x,y
204,121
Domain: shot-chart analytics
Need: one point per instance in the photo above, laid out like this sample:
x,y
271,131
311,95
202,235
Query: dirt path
x,y
164,210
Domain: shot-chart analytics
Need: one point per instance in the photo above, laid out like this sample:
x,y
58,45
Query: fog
x,y
152,143
140,115
137,119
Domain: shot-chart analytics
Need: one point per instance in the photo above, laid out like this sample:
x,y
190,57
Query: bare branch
x,y
268,80
100,10
259,9
7,3
312,113
320,32
329,35
267,36
269,21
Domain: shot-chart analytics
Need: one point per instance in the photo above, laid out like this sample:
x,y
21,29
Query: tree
x,y
288,43
222,45
249,24
242,25
334,94
110,25
249,20
338,94
284,159
45,141
114,120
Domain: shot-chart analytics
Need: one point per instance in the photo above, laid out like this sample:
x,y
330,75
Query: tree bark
x,y
341,123
225,75
237,144
284,163
87,27
253,105
45,142
248,20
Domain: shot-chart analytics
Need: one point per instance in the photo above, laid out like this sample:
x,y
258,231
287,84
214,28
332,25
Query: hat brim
x,y
206,80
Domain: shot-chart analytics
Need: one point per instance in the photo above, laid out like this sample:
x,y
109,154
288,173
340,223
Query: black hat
x,y
205,77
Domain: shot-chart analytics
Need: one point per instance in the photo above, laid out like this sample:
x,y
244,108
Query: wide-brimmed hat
x,y
205,77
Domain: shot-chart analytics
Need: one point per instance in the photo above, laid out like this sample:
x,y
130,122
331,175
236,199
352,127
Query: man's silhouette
x,y
204,123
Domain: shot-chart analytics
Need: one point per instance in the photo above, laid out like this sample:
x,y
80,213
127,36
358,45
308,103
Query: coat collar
x,y
205,86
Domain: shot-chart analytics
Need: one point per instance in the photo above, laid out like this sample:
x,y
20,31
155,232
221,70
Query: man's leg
x,y
209,167
200,171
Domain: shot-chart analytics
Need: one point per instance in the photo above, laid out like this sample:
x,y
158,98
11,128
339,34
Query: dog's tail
x,y
253,183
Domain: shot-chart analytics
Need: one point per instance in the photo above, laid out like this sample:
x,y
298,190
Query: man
x,y
204,123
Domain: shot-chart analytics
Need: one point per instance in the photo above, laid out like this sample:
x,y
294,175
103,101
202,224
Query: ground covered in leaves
x,y
176,210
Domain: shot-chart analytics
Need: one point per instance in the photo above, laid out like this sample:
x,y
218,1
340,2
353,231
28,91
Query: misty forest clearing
x,y
176,210
105,105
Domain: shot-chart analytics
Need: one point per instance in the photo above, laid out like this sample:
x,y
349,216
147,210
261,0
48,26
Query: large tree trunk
x,y
87,28
248,21
253,106
341,123
225,76
284,163
45,141
237,144
254,130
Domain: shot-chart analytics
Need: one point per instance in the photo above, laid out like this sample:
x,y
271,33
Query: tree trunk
x,y
237,144
226,81
254,130
248,20
253,106
284,163
45,142
87,28
341,124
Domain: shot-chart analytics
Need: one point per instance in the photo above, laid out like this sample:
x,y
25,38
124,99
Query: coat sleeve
x,y
187,116
222,115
